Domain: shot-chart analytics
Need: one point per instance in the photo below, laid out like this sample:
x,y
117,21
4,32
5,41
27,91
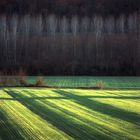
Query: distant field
x,y
90,81
58,114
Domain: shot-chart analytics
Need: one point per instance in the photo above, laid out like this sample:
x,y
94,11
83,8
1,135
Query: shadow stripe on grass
x,y
102,107
59,98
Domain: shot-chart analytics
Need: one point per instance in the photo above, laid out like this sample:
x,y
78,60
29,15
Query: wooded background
x,y
70,37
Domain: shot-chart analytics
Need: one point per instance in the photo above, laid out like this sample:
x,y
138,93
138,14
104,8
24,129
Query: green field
x,y
90,81
61,114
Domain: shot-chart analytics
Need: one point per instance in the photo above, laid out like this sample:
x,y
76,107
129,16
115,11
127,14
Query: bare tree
x,y
121,24
98,23
3,30
110,25
25,29
14,28
64,29
52,25
85,23
74,29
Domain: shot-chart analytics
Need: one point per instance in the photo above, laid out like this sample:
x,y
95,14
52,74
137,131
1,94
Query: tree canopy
x,y
71,7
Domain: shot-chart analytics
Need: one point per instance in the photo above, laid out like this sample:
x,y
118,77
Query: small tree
x,y
22,77
100,84
39,81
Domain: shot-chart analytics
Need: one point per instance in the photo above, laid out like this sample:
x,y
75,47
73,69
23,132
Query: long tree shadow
x,y
114,97
102,107
33,98
90,96
8,131
67,125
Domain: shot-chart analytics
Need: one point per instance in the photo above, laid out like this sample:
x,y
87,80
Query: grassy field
x,y
65,114
90,81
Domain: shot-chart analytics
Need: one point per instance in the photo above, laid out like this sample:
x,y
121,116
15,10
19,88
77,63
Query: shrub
x,y
22,77
39,81
100,84
13,78
3,79
22,81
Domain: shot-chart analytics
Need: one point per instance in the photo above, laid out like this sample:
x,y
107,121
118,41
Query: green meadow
x,y
89,81
69,114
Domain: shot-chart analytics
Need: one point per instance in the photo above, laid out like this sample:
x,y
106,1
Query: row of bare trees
x,y
74,46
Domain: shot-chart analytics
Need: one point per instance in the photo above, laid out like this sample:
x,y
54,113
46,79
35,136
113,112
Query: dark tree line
x,y
70,46
71,7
